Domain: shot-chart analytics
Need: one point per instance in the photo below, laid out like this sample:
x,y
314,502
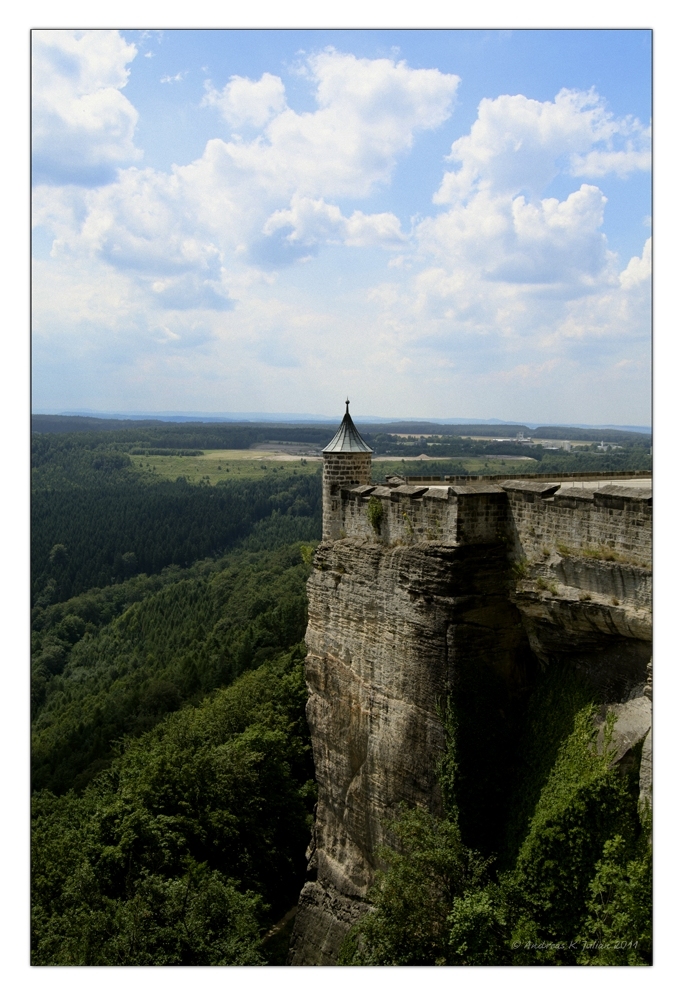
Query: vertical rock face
x,y
390,632
463,593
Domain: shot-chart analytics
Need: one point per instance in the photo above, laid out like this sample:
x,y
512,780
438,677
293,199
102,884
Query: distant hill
x,y
312,429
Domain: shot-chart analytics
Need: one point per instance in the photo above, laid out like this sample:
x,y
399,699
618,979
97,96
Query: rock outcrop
x,y
464,594
390,631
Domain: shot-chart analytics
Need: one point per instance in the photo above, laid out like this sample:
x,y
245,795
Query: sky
x,y
440,224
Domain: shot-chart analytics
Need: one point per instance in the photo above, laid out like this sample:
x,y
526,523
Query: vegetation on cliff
x,y
577,890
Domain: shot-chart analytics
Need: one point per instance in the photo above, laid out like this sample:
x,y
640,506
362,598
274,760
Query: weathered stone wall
x,y
614,517
531,515
441,514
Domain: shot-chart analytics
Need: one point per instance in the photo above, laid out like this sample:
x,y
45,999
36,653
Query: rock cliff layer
x,y
391,631
397,625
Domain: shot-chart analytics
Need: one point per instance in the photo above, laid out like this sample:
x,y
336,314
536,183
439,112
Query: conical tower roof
x,y
347,438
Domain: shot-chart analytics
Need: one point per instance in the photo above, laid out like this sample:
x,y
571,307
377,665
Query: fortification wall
x,y
410,514
426,604
612,521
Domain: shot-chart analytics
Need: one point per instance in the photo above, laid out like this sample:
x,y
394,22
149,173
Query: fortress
x,y
467,588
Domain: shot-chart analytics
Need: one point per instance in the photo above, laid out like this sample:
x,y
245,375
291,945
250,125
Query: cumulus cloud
x,y
368,113
248,102
260,201
83,125
639,269
497,231
315,221
494,237
508,291
518,145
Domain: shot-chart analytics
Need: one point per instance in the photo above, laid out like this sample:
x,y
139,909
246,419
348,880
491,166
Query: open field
x,y
390,465
213,466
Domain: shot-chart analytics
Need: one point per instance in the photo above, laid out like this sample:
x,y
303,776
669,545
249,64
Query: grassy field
x,y
474,466
214,466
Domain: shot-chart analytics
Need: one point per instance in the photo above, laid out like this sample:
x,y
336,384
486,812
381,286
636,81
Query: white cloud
x,y
621,162
82,124
368,113
501,259
495,237
259,201
248,102
519,145
178,78
315,221
639,269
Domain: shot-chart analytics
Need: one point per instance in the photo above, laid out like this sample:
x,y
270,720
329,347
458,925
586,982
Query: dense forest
x,y
98,518
173,783
171,764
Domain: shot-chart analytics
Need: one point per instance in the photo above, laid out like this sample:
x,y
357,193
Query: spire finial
x,y
347,404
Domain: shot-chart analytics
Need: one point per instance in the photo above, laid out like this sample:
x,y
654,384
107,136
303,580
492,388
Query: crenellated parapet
x,y
406,515
612,521
534,518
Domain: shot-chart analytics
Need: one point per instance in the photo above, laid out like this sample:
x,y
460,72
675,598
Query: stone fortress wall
x,y
609,520
419,589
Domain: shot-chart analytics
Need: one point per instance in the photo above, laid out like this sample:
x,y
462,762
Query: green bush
x,y
578,889
375,513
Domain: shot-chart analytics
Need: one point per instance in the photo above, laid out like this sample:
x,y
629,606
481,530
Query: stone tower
x,y
347,461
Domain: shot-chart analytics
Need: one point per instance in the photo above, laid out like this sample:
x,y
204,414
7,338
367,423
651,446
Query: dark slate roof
x,y
347,438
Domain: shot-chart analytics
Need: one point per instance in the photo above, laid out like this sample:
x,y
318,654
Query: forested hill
x,y
98,519
156,434
171,763
114,662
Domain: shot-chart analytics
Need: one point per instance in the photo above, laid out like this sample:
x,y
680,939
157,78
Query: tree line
x,y
98,520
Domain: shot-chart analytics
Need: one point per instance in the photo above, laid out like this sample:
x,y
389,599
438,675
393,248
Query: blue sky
x,y
438,223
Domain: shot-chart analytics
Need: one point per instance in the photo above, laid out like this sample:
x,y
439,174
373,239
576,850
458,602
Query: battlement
x,y
605,517
533,516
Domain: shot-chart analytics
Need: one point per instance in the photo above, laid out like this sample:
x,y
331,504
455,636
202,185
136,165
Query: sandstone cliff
x,y
395,629
389,632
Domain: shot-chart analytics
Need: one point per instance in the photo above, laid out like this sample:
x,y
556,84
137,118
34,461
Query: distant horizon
x,y
173,416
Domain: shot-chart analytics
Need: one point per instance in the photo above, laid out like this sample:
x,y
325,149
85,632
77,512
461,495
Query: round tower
x,y
347,461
